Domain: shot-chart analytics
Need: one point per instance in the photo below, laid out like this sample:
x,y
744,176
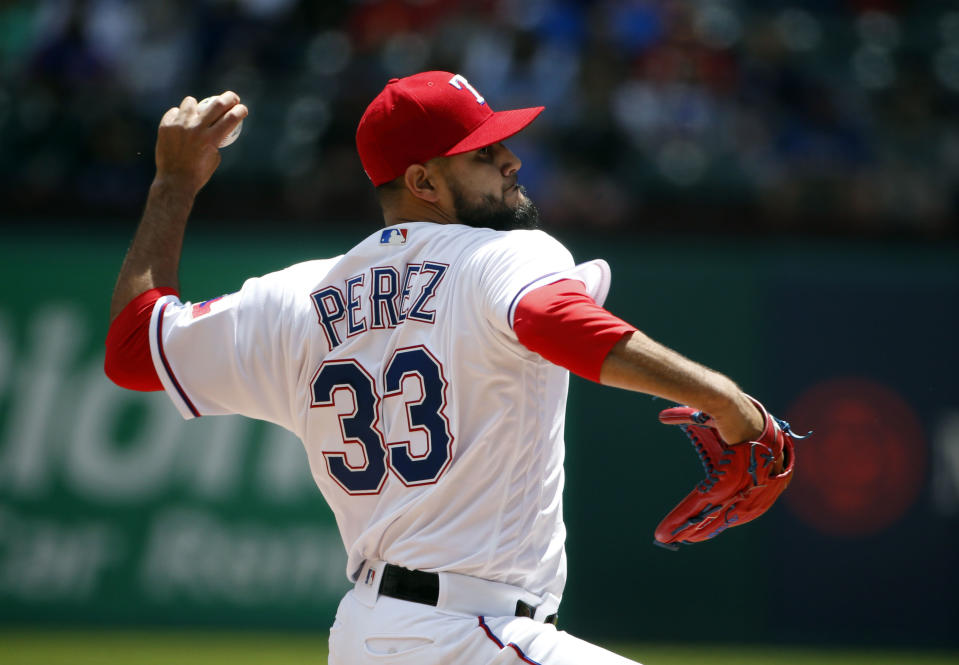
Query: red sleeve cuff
x,y
128,362
562,323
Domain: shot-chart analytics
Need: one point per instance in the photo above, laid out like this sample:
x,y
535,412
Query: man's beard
x,y
495,213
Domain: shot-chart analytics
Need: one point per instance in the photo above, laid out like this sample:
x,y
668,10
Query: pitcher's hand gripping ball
x,y
232,136
742,480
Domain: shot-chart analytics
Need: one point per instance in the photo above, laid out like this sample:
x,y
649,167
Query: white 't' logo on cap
x,y
459,82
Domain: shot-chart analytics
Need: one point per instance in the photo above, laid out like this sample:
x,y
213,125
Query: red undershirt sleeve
x,y
562,323
128,362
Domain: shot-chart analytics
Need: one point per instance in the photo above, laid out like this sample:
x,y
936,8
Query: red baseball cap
x,y
427,115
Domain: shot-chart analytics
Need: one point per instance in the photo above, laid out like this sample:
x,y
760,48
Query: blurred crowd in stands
x,y
794,116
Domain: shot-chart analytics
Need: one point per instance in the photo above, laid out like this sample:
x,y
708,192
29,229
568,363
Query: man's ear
x,y
417,180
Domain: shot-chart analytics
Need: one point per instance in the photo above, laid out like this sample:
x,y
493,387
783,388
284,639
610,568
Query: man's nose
x,y
510,162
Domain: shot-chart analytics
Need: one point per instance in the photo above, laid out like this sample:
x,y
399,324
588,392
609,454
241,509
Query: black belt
x,y
417,586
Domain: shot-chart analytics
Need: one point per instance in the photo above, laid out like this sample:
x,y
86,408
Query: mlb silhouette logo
x,y
370,576
393,236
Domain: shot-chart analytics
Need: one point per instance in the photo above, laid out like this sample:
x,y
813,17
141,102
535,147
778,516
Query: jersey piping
x,y
164,370
510,645
522,291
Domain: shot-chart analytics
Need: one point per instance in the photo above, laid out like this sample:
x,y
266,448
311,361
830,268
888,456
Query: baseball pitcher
x,y
426,372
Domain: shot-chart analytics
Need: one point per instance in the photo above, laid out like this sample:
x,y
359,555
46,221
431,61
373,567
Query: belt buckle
x,y
524,609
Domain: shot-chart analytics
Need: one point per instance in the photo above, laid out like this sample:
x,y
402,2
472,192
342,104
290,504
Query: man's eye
x,y
484,152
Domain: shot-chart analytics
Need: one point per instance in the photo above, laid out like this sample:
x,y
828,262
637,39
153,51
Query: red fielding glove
x,y
742,480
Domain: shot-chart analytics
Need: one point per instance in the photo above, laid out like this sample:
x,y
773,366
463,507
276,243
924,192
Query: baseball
x,y
232,136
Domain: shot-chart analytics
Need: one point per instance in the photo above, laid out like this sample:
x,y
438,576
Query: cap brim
x,y
501,125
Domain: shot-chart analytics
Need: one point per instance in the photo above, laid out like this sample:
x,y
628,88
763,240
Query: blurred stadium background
x,y
785,170
827,116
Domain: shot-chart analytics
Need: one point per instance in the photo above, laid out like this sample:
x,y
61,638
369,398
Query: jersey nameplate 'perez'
x,y
352,307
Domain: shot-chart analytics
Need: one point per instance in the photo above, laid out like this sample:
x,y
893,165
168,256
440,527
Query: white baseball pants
x,y
371,629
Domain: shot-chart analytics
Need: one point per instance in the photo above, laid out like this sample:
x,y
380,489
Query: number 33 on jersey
x,y
413,379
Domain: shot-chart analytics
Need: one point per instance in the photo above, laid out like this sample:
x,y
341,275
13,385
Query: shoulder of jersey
x,y
293,279
522,240
413,235
304,269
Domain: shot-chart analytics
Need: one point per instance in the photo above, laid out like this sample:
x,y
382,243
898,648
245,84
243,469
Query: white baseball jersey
x,y
434,435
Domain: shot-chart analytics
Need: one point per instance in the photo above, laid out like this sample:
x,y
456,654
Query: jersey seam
x,y
539,371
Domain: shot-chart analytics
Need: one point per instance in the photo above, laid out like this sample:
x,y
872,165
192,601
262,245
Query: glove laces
x,y
709,466
787,429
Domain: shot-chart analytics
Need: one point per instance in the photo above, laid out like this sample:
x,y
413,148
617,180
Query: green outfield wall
x,y
114,511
